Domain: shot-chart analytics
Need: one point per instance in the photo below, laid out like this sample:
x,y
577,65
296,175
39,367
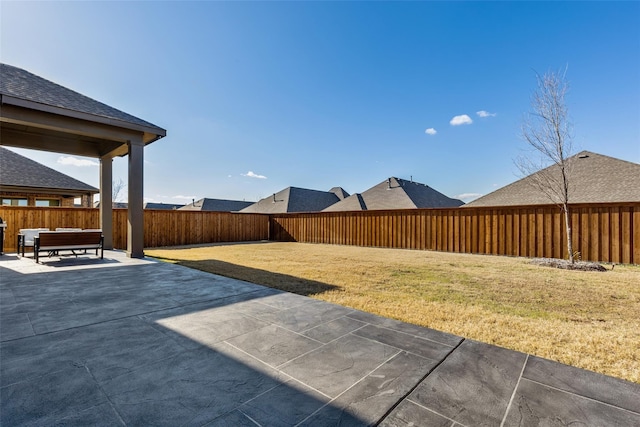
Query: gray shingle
x,y
294,199
340,192
594,178
22,84
162,206
395,193
20,171
216,205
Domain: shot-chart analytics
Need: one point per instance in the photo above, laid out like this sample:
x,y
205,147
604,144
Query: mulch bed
x,y
567,265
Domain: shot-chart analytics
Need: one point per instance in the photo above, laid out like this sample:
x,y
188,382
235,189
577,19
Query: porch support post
x,y
135,222
106,211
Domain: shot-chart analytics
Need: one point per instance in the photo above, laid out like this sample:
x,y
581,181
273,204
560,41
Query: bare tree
x,y
548,131
117,187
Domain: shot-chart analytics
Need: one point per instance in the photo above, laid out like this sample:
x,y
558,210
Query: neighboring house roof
x,y
21,84
355,202
162,206
21,173
594,178
340,192
395,193
294,199
115,205
216,205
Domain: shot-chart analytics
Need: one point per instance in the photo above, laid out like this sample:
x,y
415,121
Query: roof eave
x,y
45,190
151,133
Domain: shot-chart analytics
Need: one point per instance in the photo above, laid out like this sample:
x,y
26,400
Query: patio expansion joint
x,y
31,324
236,408
345,316
286,378
302,355
406,396
349,388
279,308
515,390
581,396
284,329
111,404
415,336
266,364
250,419
453,422
301,333
402,349
239,407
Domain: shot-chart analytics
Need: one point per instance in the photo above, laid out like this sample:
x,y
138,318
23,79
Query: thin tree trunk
x,y
567,222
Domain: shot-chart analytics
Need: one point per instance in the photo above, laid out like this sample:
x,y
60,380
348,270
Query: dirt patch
x,y
567,265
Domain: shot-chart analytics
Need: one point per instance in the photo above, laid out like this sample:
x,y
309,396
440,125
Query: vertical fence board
x,y
636,236
585,238
451,232
615,234
523,219
594,233
626,231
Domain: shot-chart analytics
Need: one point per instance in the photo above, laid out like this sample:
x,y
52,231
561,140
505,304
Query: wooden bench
x,y
54,241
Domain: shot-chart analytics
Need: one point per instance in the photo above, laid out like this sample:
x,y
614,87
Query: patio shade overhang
x,y
38,114
33,125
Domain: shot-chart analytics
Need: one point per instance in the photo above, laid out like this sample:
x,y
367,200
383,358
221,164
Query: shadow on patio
x,y
138,342
283,282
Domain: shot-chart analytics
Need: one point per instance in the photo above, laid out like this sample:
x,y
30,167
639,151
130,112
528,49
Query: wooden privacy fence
x,y
161,227
601,232
173,227
17,217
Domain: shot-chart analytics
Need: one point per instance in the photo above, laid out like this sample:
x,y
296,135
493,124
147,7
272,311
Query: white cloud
x,y
180,196
250,174
483,113
461,120
430,131
74,161
468,196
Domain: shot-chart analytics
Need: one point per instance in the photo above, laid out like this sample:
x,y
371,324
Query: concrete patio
x,y
137,342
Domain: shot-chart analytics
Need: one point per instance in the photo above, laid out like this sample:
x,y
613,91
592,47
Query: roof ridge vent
x,y
583,156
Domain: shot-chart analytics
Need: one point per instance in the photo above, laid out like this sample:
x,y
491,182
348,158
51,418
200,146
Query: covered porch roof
x,y
43,115
38,114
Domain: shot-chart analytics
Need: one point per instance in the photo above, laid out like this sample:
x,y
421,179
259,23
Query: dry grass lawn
x,y
585,319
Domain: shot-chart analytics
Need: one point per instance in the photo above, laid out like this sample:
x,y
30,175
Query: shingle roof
x,y
216,205
162,206
395,193
19,171
19,83
294,199
340,192
594,178
354,202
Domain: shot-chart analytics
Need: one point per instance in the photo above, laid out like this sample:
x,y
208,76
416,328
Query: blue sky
x,y
258,96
